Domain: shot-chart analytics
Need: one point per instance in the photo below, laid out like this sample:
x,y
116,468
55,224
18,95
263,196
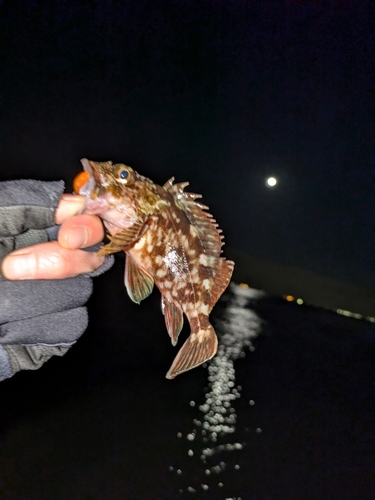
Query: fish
x,y
171,241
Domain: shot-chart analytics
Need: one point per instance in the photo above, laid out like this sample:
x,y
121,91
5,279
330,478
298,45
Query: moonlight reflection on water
x,y
236,330
236,327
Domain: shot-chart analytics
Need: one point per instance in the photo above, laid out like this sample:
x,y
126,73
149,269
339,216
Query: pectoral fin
x,y
198,348
174,318
139,283
123,239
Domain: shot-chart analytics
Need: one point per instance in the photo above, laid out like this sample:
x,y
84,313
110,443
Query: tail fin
x,y
198,348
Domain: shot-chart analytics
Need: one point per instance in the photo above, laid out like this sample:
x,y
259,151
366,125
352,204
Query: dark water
x,y
286,409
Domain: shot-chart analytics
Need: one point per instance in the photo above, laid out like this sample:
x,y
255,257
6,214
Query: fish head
x,y
107,180
118,194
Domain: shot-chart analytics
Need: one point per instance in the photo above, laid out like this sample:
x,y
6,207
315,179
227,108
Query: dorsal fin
x,y
208,232
222,279
205,225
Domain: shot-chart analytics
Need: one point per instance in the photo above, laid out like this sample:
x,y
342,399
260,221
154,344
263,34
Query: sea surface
x,y
285,410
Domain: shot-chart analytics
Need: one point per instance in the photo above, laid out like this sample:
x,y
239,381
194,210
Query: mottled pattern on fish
x,y
170,240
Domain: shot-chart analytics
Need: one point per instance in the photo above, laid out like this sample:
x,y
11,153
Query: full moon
x,y
271,182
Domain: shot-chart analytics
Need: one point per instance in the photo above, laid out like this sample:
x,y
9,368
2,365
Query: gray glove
x,y
38,318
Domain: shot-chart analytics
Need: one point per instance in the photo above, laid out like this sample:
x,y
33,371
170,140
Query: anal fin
x,y
198,348
174,319
139,283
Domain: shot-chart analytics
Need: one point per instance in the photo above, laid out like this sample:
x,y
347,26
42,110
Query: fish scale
x,y
170,240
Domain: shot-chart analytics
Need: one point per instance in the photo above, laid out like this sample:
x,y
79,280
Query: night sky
x,y
219,93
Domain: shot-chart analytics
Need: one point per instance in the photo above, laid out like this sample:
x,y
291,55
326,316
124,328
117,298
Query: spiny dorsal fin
x,y
204,223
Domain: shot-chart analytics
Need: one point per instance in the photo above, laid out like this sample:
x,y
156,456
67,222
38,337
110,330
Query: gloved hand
x,y
39,318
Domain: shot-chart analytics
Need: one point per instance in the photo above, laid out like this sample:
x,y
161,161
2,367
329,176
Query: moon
x,y
271,182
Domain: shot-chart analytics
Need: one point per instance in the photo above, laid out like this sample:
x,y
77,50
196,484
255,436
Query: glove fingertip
x,y
5,367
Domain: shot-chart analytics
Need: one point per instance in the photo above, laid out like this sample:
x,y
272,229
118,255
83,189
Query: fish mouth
x,y
91,188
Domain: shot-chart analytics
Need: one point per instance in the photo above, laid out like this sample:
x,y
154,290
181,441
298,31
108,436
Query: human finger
x,y
81,231
49,261
69,205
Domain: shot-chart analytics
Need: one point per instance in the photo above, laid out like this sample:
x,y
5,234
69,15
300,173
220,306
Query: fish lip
x,y
88,188
87,166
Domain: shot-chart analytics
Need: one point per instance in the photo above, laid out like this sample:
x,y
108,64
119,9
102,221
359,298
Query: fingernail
x,y
19,266
74,198
77,237
68,206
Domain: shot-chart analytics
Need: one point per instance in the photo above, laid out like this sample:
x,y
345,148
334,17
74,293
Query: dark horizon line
x,y
313,288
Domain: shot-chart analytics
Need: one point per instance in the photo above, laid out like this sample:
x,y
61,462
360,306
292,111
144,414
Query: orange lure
x,y
80,180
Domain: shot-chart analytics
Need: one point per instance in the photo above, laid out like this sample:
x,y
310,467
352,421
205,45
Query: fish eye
x,y
123,174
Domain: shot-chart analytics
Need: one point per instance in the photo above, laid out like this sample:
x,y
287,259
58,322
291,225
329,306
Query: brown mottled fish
x,y
170,240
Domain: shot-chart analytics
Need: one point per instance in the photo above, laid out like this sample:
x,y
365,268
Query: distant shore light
x,y
271,181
